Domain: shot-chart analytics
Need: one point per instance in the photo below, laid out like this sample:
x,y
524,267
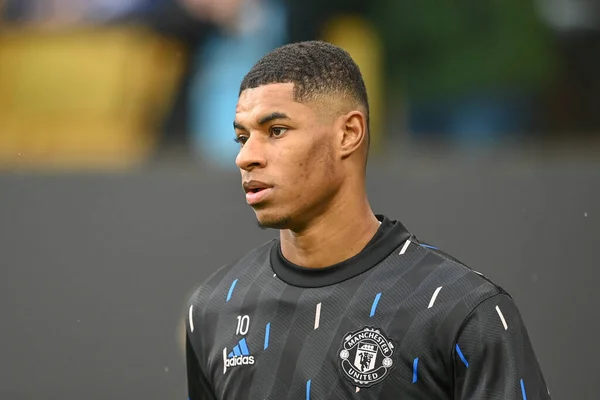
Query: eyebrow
x,y
239,126
266,119
272,117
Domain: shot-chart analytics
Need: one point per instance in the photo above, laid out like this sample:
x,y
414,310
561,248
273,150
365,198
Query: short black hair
x,y
315,68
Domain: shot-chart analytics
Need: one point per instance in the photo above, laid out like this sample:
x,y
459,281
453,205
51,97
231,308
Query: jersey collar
x,y
390,235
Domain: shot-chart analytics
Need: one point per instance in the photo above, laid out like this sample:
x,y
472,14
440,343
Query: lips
x,y
256,191
255,186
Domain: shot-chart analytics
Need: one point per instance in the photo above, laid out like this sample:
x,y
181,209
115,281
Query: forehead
x,y
269,98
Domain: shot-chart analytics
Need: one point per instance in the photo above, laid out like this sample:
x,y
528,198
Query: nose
x,y
251,155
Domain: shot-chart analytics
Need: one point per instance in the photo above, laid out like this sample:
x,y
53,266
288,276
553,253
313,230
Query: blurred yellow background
x,y
87,98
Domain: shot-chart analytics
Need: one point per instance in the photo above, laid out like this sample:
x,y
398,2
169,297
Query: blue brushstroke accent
x,y
244,347
415,366
236,351
428,246
462,357
231,290
267,333
308,389
375,302
523,390
230,355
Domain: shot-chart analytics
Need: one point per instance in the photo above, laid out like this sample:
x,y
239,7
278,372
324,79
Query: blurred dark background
x,y
119,194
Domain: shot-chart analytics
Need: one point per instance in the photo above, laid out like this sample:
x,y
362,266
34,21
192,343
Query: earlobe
x,y
354,133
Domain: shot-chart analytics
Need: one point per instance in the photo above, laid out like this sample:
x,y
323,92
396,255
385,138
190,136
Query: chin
x,y
267,220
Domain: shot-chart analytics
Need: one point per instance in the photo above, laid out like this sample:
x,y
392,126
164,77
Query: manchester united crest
x,y
366,357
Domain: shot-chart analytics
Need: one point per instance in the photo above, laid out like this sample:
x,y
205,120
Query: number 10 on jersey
x,y
243,323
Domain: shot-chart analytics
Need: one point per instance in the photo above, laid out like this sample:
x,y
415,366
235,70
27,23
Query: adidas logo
x,y
240,355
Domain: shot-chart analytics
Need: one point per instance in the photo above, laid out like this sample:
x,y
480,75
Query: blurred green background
x,y
119,84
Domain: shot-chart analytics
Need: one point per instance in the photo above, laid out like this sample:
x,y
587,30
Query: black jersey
x,y
400,320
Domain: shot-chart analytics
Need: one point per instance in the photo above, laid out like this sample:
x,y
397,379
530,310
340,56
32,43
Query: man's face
x,y
287,156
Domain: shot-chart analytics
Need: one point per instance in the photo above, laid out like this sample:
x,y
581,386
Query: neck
x,y
338,234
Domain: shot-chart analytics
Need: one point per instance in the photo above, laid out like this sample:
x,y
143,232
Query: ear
x,y
354,132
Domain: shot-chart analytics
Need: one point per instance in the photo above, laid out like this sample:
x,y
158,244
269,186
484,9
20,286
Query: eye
x,y
240,139
277,131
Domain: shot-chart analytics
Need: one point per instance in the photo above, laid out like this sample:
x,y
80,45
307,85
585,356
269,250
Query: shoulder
x,y
226,276
468,285
450,294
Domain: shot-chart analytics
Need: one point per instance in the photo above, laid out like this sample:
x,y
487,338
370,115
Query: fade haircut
x,y
315,68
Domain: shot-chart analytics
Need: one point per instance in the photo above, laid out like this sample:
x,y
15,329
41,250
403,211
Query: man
x,y
344,304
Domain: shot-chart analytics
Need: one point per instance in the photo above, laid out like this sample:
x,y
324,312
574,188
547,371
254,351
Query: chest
x,y
337,343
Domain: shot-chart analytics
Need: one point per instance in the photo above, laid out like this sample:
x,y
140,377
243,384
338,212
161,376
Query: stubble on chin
x,y
275,223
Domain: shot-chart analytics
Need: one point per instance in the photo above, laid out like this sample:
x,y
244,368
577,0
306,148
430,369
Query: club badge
x,y
366,357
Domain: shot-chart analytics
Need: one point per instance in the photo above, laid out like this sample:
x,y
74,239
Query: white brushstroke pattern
x,y
501,317
435,294
318,316
406,244
191,318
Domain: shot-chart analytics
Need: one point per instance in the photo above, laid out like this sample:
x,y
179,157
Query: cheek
x,y
317,170
309,166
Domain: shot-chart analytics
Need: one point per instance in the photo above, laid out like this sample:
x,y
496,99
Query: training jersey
x,y
400,320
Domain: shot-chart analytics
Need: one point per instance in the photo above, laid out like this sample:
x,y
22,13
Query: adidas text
x,y
236,361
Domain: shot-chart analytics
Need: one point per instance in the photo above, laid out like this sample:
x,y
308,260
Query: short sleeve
x,y
493,355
